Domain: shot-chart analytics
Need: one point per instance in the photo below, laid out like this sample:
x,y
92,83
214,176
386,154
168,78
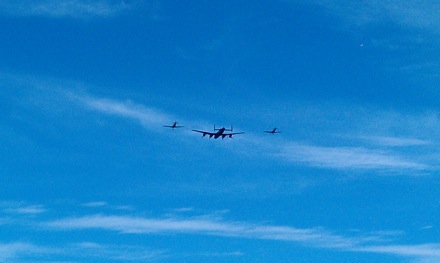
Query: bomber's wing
x,y
230,134
204,133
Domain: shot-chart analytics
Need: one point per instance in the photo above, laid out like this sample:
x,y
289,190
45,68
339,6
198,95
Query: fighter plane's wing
x,y
170,126
272,132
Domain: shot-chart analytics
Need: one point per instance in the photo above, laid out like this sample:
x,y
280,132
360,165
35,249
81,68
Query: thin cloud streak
x,y
19,208
395,142
32,210
425,252
95,204
19,251
346,158
112,252
312,237
62,8
149,118
14,251
417,14
221,254
204,226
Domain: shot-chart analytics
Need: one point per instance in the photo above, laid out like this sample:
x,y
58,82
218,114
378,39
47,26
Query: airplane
x,y
219,133
273,131
173,126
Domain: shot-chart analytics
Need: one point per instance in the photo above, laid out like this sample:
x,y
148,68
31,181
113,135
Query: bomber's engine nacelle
x,y
230,135
210,136
204,135
223,136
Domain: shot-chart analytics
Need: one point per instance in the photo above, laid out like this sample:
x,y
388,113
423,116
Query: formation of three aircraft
x,y
217,132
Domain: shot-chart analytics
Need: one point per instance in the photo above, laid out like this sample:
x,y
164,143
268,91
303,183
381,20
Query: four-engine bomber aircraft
x,y
273,131
173,126
219,133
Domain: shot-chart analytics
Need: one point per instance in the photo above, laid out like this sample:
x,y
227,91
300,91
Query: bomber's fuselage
x,y
219,133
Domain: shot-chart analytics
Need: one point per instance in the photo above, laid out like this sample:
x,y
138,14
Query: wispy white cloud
x,y
22,208
423,252
346,158
148,117
101,204
183,209
113,252
421,14
376,242
20,252
394,141
204,226
312,237
220,254
62,8
94,204
13,251
33,209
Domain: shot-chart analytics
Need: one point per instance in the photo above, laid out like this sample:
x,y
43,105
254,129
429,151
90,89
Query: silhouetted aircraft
x,y
273,131
219,133
173,126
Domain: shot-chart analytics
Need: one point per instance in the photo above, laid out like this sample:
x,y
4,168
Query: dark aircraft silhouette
x,y
273,131
173,126
220,133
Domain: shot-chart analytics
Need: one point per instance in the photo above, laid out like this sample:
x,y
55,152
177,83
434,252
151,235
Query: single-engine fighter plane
x,y
273,131
173,126
219,133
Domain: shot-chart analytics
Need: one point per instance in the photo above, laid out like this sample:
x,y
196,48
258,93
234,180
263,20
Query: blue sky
x,y
88,173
